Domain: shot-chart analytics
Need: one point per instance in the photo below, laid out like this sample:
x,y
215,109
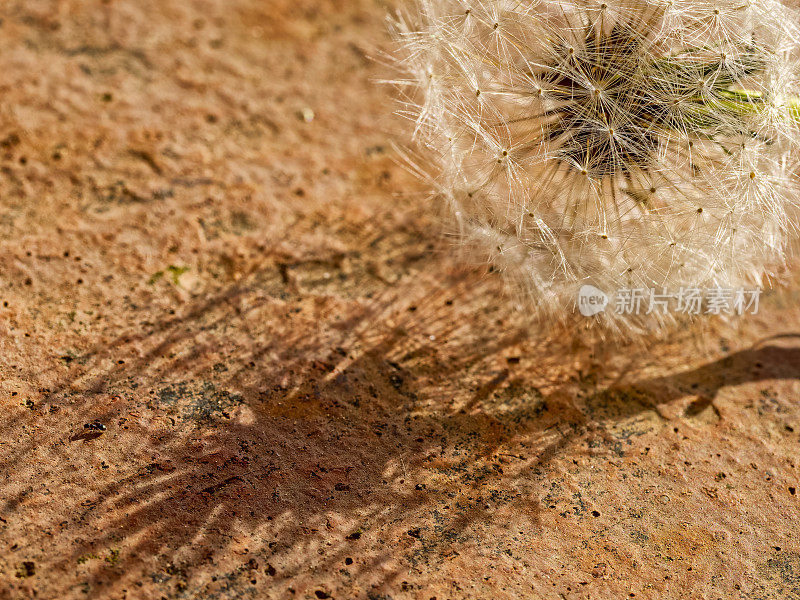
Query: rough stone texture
x,y
304,395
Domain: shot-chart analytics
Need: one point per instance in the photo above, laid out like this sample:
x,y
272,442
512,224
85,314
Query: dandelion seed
x,y
635,143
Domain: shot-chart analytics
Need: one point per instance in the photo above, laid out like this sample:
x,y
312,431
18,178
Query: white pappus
x,y
623,144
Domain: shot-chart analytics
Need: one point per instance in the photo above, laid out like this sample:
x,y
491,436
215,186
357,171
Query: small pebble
x,y
307,115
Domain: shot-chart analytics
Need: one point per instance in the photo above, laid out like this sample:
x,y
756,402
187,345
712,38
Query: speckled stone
x,y
238,360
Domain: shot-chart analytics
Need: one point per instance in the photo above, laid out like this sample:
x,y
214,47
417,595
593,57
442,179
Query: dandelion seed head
x,y
627,143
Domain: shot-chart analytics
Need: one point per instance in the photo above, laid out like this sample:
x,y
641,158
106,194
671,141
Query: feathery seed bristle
x,y
628,143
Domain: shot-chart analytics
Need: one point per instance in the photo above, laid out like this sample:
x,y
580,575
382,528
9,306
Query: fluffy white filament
x,y
624,144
